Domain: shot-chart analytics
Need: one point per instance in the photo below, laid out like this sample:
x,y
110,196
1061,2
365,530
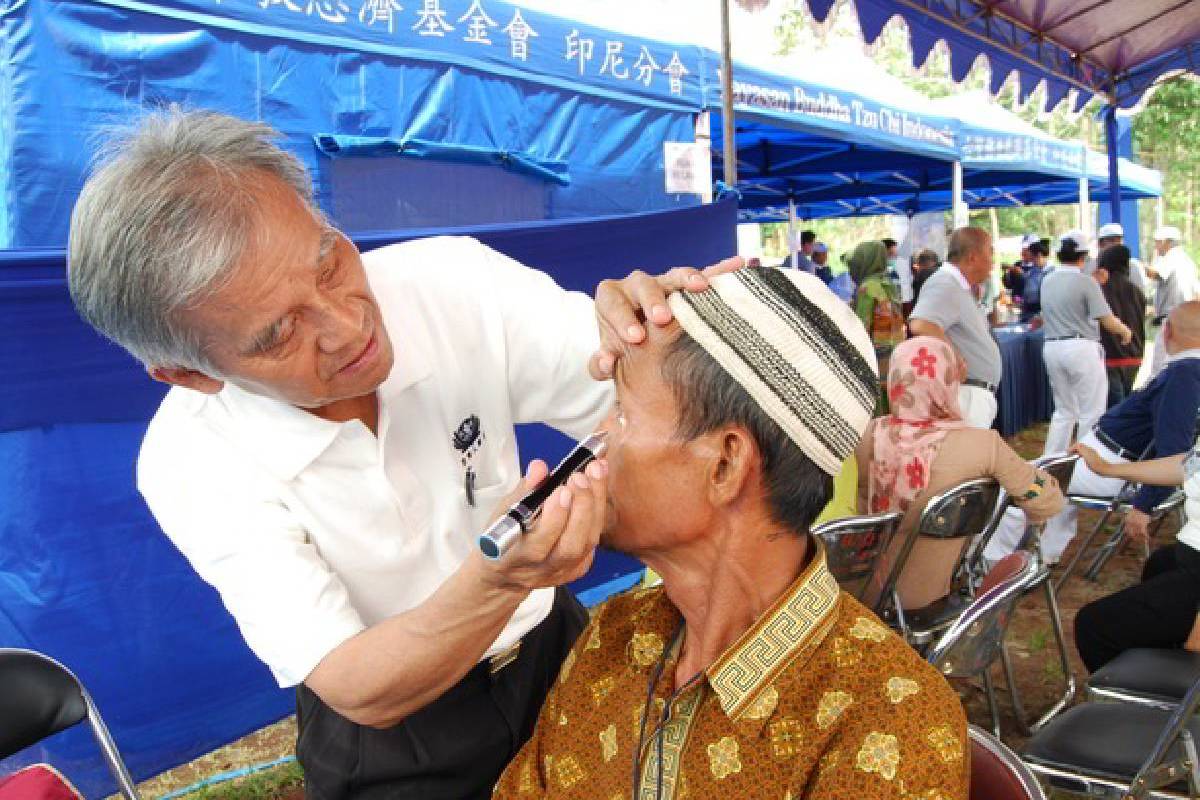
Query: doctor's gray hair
x,y
162,221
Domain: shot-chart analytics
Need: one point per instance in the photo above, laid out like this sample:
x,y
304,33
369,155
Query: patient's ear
x,y
187,378
735,459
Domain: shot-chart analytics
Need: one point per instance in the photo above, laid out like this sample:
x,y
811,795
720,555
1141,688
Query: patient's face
x,y
656,495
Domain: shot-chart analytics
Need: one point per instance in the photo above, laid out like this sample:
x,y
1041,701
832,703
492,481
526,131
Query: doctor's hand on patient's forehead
x,y
623,307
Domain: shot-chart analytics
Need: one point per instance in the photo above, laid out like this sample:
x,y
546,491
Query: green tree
x,y
1166,136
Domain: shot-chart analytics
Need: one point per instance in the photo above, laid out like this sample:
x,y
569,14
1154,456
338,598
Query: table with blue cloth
x,y
1024,396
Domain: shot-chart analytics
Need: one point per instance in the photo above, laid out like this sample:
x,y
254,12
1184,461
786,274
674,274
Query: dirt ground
x,y
1030,640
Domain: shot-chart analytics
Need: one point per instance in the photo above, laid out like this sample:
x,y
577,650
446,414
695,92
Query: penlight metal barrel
x,y
499,538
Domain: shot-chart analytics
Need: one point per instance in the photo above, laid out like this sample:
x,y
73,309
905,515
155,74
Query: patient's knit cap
x,y
796,348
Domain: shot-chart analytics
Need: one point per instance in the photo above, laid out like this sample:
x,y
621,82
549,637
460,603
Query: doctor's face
x,y
297,320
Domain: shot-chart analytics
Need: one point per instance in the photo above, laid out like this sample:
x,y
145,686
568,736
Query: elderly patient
x,y
748,673
925,447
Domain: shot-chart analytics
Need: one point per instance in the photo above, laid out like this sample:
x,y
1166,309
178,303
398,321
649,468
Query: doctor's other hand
x,y
622,306
562,540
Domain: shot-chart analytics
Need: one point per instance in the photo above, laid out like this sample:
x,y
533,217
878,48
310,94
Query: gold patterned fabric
x,y
817,700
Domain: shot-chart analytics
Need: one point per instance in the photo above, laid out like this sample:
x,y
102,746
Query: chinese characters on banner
x,y
473,23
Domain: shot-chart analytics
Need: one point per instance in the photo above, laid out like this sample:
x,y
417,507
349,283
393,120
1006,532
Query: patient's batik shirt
x,y
817,700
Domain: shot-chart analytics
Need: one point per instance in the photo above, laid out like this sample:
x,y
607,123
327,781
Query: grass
x,y
277,782
1037,640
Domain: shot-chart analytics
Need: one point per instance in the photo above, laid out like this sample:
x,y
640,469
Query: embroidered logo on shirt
x,y
468,438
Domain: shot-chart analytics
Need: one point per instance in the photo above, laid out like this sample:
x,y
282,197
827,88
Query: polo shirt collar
x,y
957,273
1194,353
287,439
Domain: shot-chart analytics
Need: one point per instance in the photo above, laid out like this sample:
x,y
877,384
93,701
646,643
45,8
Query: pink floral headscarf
x,y
923,381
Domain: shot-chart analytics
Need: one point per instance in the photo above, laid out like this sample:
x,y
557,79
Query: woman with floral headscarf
x,y
924,447
877,303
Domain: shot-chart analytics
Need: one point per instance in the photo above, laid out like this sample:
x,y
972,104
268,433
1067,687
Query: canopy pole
x,y
1085,208
958,207
793,250
1114,174
728,145
704,139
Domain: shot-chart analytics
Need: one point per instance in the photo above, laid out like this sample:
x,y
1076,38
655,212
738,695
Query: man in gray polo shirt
x,y
947,309
1072,304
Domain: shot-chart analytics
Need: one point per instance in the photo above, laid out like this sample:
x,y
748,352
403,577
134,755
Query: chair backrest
x,y
1060,467
1171,502
973,642
854,547
996,771
960,511
39,697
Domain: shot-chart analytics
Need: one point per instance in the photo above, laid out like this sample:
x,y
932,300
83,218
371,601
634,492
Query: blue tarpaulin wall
x,y
509,116
85,574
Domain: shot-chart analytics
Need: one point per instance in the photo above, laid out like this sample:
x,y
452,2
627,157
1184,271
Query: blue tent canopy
x,y
528,130
809,137
1137,182
483,111
834,152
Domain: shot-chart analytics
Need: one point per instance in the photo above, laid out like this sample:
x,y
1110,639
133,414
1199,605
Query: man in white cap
x,y
1110,235
748,673
1072,305
1175,273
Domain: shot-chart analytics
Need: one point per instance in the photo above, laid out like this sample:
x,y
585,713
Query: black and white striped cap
x,y
798,350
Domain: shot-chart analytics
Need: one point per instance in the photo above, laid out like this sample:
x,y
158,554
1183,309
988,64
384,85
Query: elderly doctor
x,y
338,431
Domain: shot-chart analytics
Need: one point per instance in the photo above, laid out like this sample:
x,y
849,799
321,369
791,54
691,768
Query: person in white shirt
x,y
339,431
1073,310
947,309
1175,273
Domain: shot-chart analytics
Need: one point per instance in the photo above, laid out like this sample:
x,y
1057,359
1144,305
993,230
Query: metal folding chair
x,y
997,773
40,697
1121,749
1060,468
1171,505
853,549
961,512
975,639
1158,678
1110,506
